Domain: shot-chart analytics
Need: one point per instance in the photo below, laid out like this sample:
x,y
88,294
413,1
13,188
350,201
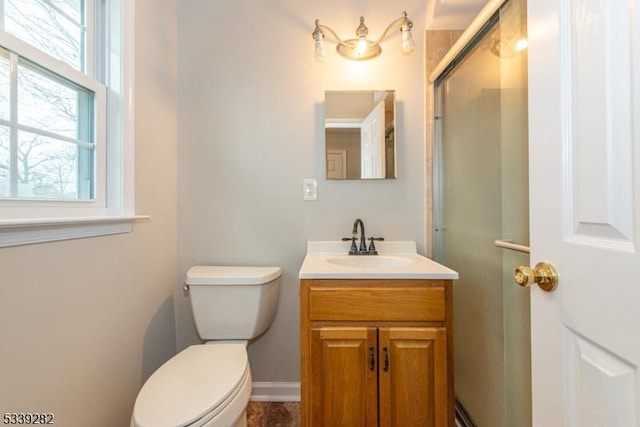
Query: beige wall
x,y
84,322
250,130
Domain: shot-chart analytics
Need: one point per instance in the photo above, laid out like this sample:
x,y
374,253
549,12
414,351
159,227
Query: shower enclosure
x,y
481,216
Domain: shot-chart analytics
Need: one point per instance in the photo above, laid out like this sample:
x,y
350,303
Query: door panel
x,y
413,377
599,154
585,210
372,147
598,369
343,387
336,164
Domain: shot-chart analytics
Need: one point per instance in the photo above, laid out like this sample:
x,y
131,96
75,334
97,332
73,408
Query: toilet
x,y
209,385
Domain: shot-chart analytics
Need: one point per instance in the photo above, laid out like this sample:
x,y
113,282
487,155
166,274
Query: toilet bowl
x,y
209,385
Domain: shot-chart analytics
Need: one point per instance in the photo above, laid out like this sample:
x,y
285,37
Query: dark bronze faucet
x,y
363,243
362,250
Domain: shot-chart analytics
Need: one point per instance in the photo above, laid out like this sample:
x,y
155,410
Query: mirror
x,y
360,134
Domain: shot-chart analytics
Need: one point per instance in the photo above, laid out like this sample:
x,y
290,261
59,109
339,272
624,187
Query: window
x,y
64,87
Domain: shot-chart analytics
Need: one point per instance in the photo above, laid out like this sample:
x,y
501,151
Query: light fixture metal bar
x,y
347,48
395,22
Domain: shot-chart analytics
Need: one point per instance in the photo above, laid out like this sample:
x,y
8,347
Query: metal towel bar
x,y
507,244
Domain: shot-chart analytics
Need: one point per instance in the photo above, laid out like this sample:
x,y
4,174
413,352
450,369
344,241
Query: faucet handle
x,y
354,248
372,247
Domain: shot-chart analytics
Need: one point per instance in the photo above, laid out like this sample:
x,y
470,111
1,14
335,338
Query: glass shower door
x,y
482,202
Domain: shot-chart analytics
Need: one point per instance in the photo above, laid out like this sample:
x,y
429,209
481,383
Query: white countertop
x,y
324,261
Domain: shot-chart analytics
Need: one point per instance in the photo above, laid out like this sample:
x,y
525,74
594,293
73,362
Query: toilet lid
x,y
231,275
190,385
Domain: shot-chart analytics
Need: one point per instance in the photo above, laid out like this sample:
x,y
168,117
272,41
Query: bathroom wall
x,y
250,130
83,323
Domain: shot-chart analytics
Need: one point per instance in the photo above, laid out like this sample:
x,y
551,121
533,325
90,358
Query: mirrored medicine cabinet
x,y
360,141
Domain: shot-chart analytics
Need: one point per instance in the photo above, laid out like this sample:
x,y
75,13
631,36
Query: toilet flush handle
x,y
185,288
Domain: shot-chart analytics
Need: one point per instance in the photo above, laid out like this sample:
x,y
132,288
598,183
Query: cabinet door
x,y
413,376
344,376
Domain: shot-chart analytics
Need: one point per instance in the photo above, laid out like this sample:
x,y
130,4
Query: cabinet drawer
x,y
389,303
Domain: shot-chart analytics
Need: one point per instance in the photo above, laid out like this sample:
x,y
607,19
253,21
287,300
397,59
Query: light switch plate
x,y
309,189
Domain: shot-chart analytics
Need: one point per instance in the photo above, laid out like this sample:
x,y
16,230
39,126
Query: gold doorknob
x,y
543,274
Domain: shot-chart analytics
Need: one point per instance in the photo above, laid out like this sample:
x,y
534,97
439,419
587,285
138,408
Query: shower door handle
x,y
543,274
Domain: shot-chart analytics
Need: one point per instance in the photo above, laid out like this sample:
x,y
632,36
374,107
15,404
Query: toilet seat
x,y
195,386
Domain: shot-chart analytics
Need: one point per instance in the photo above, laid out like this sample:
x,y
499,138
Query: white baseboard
x,y
275,392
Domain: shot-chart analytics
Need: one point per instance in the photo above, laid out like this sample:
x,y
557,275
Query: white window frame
x,y
113,210
27,208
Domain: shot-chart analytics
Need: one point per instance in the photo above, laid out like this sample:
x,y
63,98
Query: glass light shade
x,y
408,45
362,45
320,53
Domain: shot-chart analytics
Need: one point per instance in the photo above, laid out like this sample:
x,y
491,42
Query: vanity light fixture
x,y
362,48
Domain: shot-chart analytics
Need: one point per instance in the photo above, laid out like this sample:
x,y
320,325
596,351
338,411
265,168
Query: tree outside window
x,y
47,142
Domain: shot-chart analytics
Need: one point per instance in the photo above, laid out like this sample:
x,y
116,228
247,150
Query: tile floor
x,y
273,414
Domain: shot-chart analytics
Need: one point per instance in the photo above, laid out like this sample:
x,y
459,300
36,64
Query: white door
x,y
336,164
372,147
584,121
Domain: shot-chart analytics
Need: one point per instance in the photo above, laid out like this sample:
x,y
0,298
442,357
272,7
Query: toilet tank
x,y
233,302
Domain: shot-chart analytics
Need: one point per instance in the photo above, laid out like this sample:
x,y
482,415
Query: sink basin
x,y
369,261
395,260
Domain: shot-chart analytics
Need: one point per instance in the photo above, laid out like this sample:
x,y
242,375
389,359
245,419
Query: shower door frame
x,y
467,43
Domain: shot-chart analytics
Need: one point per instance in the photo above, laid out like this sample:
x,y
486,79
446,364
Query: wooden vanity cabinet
x,y
376,353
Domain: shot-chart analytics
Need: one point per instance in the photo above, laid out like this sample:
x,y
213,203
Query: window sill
x,y
30,231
